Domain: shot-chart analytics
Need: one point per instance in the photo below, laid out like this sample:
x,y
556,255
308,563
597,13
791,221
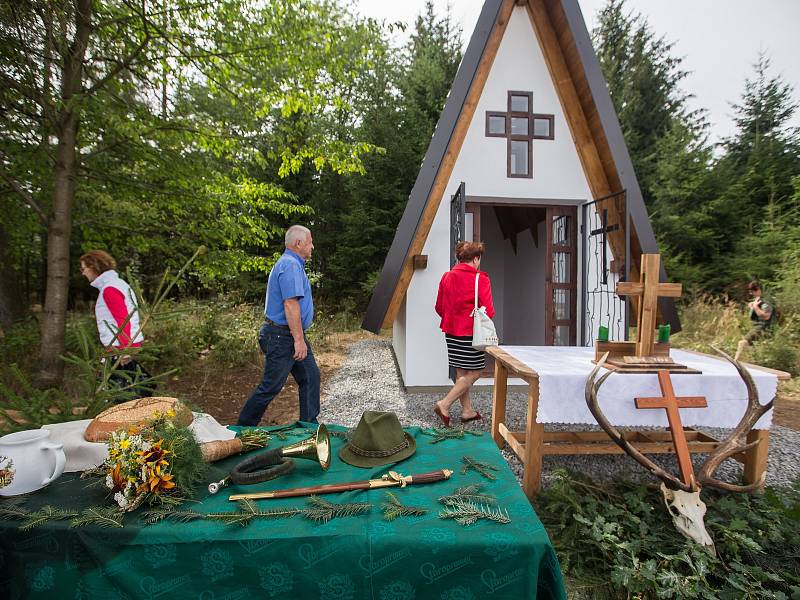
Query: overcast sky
x,y
719,40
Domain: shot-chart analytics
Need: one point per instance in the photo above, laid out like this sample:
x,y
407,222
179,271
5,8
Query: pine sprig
x,y
102,516
13,508
481,467
178,516
253,439
322,511
467,513
393,508
468,493
45,515
451,433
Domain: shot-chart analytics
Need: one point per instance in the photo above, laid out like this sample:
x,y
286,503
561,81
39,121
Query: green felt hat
x,y
378,439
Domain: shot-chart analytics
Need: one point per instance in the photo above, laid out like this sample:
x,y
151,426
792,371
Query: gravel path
x,y
369,380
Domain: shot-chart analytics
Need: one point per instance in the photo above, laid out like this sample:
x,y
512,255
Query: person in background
x,y
762,316
288,312
118,323
454,304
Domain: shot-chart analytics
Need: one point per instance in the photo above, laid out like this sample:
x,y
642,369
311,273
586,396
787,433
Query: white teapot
x,y
29,461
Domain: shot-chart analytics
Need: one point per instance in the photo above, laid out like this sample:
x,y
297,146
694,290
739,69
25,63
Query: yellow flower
x,y
124,443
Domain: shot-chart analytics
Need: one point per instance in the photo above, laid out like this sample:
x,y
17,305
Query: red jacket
x,y
456,298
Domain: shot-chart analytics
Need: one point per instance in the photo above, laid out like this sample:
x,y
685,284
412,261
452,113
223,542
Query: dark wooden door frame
x,y
474,205
570,248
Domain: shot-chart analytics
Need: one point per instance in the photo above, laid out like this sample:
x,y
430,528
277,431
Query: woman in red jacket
x,y
454,304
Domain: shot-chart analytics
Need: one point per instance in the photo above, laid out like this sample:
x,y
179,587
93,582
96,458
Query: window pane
x,y
541,128
519,104
519,157
561,335
519,125
561,229
497,125
561,267
561,304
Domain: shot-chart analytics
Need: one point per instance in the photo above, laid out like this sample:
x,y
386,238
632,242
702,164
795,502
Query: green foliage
x,y
617,541
393,508
186,459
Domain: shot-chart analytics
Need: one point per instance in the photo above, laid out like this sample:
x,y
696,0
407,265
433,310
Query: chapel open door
x,y
561,274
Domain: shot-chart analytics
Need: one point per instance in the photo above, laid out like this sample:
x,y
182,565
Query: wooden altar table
x,y
566,364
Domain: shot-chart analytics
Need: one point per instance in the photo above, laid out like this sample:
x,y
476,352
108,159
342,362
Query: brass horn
x,y
317,447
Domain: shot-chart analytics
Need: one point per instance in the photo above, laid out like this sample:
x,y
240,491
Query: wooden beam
x,y
446,167
557,45
499,392
516,366
672,290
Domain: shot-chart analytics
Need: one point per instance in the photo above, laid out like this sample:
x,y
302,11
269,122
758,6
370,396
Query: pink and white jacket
x,y
115,302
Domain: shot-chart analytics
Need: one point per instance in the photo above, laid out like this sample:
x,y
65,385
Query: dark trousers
x,y
277,344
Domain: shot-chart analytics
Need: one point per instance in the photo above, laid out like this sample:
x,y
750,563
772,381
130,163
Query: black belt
x,y
274,324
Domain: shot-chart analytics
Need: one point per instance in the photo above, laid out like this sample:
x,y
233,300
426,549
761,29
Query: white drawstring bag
x,y
483,332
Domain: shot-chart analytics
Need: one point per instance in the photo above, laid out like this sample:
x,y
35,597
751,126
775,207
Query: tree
x,y
90,124
644,80
403,100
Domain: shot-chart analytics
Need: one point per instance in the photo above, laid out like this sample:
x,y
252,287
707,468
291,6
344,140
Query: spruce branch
x,y
13,509
393,508
469,493
102,516
253,439
466,513
452,433
45,515
320,510
481,467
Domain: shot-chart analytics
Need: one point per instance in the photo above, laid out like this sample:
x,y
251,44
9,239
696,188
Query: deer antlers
x,y
733,444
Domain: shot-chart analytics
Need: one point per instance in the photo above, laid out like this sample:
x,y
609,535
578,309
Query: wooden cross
x,y
672,403
648,290
604,230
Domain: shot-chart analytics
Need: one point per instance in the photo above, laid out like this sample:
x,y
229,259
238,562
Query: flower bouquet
x,y
161,462
158,462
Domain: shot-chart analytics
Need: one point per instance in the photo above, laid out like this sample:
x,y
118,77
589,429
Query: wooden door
x,y
561,273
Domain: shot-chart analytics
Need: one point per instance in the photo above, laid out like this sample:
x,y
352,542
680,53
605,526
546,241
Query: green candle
x,y
602,333
663,333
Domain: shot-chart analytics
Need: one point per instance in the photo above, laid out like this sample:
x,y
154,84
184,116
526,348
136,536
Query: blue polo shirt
x,y
287,280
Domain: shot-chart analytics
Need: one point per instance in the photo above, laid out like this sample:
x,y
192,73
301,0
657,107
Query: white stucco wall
x,y
558,178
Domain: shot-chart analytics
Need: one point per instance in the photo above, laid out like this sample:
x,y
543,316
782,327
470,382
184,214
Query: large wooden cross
x,y
672,403
648,290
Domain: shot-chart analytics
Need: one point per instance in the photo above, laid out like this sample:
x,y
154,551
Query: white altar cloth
x,y
563,371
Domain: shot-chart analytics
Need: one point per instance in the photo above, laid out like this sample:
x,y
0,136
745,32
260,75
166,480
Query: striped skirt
x,y
461,354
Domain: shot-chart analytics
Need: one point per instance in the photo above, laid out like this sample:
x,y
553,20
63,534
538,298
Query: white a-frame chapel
x,y
528,157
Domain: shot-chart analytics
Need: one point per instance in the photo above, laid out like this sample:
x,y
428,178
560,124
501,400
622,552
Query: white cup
x,y
30,461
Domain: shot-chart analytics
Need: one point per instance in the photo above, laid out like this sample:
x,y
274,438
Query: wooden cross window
x,y
520,126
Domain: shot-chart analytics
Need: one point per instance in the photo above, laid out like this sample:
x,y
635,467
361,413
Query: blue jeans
x,y
277,344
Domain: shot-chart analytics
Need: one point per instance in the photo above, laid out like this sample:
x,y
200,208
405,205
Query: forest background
x,y
149,130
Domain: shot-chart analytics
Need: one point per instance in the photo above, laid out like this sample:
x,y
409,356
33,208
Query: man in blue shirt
x,y
288,312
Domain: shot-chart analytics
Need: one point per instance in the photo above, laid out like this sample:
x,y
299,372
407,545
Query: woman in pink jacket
x,y
118,322
454,304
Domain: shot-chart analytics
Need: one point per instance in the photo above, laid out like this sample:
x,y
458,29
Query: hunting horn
x,y
274,463
317,447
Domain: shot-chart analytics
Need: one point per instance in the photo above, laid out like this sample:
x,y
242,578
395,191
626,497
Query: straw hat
x,y
378,439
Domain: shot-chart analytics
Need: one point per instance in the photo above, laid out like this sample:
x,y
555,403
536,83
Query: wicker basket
x,y
132,413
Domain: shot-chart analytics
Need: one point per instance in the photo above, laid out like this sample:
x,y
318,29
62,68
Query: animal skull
x,y
687,511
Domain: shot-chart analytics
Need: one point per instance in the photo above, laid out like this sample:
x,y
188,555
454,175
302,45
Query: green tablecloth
x,y
348,558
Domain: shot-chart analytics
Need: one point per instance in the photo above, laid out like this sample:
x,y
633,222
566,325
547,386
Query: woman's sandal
x,y
445,418
476,417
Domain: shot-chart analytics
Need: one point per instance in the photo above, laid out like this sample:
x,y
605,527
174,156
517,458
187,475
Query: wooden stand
x,y
535,443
